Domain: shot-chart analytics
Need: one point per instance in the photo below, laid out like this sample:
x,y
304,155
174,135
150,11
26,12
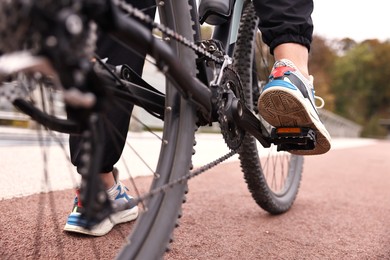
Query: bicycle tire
x,y
275,200
152,232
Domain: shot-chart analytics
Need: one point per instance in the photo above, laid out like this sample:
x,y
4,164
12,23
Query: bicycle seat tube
x,y
226,28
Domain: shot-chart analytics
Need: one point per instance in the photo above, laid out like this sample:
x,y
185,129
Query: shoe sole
x,y
107,224
281,107
98,230
125,216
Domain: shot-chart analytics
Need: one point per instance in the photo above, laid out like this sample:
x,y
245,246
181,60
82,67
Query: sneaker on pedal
x,y
76,222
288,100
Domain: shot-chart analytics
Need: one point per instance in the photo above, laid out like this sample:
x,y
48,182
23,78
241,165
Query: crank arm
x,y
286,138
246,120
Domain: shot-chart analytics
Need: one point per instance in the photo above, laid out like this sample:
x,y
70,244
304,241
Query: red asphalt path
x,y
342,212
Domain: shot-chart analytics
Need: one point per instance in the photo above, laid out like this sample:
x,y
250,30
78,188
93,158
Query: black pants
x,y
284,21
113,141
281,21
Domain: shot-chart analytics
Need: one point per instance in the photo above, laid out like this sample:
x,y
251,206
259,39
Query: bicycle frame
x,y
132,33
137,36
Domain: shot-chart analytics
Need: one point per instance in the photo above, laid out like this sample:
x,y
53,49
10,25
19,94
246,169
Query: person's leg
x,y
285,21
117,117
296,53
288,99
113,141
287,28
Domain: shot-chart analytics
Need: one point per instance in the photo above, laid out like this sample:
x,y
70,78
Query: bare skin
x,y
108,179
296,53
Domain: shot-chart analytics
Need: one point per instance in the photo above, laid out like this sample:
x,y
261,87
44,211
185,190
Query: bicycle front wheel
x,y
273,177
161,200
152,231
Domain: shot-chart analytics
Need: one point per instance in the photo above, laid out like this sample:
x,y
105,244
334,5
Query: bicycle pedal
x,y
293,138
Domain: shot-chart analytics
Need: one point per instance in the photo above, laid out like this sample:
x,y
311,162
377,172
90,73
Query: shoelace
x,y
311,80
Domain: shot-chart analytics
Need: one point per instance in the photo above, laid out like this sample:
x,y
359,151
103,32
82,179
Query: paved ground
x,y
342,212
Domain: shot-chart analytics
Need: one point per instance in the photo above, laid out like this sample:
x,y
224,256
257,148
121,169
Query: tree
x,y
361,84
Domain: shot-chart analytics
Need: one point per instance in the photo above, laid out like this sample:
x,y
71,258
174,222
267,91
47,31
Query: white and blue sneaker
x,y
117,194
287,100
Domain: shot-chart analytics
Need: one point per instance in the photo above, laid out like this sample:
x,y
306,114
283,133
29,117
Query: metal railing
x,y
336,125
339,126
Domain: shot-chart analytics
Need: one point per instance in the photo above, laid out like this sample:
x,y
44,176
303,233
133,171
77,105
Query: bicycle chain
x,y
134,12
186,177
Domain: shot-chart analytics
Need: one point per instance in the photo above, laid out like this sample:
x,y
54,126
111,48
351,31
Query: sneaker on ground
x,y
76,223
288,100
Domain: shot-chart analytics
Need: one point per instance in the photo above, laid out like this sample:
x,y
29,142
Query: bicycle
x,y
208,81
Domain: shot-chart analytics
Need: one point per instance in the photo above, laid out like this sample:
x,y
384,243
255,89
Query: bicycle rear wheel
x,y
273,177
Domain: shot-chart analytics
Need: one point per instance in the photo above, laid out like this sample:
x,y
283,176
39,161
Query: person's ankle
x,y
303,70
297,54
108,179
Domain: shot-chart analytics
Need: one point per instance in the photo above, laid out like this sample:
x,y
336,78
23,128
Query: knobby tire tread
x,y
248,153
153,230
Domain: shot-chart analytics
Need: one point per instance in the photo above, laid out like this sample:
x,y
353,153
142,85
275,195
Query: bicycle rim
x,y
273,177
152,232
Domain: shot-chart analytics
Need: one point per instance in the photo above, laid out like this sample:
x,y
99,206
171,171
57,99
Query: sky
x,y
356,19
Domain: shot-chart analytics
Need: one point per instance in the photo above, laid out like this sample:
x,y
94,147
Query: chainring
x,y
230,88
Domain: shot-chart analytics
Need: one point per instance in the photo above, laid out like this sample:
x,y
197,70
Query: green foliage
x,y
361,84
373,129
321,62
